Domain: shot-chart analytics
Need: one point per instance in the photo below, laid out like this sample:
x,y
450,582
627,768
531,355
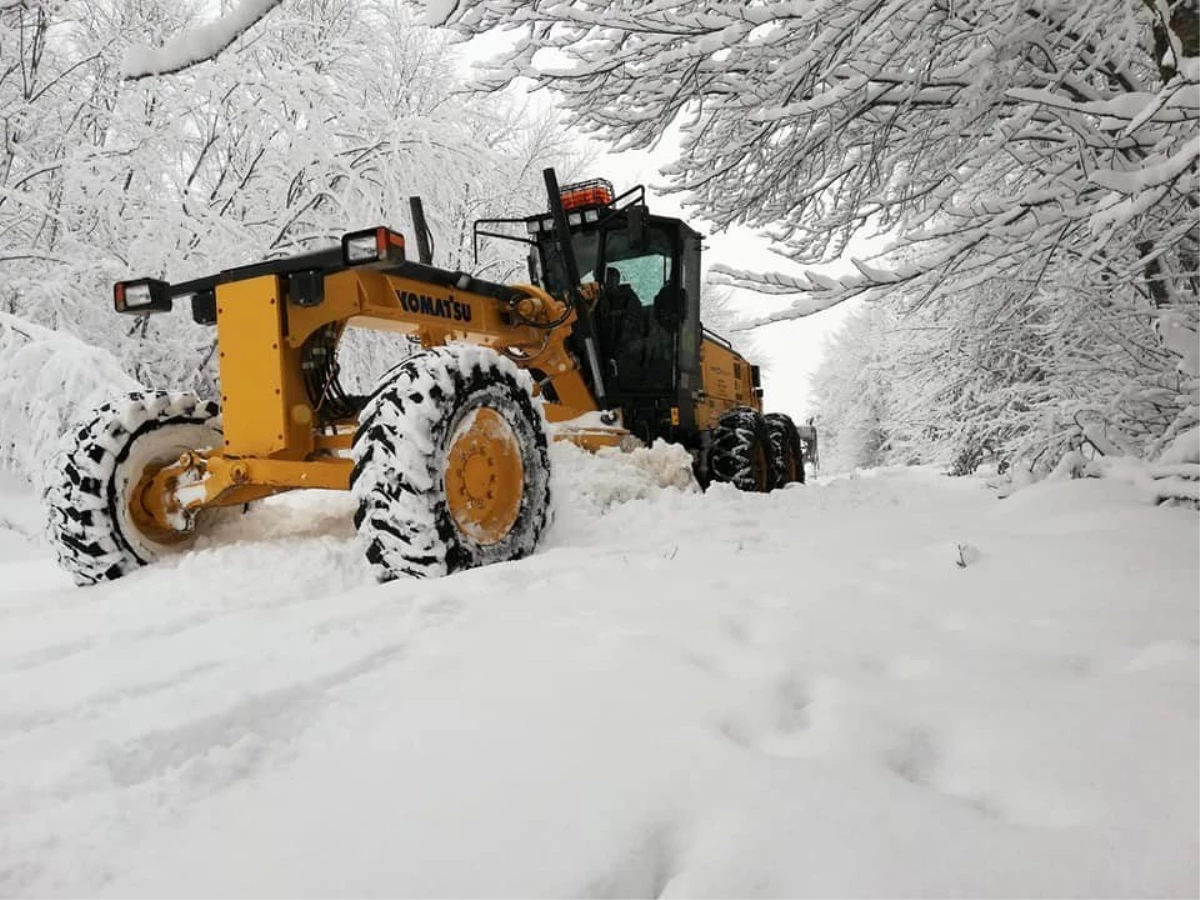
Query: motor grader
x,y
447,459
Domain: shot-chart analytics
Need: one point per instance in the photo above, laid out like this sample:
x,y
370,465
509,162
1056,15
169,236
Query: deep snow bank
x,y
48,379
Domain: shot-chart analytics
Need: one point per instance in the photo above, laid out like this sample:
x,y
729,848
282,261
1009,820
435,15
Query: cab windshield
x,y
645,269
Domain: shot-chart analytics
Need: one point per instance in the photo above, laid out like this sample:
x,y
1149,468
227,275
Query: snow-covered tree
x,y
285,141
957,125
1036,145
854,391
1003,376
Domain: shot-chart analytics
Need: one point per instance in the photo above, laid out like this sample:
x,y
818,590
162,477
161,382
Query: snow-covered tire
x,y
787,458
100,462
407,454
741,451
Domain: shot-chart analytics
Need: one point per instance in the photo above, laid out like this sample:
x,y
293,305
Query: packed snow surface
x,y
893,684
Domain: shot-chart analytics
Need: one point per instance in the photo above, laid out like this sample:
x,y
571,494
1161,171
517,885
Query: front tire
x,y
94,534
451,466
741,451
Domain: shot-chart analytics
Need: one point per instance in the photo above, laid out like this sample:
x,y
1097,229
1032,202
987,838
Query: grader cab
x,y
447,458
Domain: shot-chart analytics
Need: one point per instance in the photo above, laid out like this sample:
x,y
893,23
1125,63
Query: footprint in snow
x,y
914,757
780,726
988,787
642,870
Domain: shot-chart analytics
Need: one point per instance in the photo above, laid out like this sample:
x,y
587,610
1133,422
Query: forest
x,y
1027,168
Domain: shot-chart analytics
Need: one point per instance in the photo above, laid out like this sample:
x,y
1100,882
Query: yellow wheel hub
x,y
484,477
152,505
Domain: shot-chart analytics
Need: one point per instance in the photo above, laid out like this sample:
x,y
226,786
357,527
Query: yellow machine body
x,y
726,381
272,442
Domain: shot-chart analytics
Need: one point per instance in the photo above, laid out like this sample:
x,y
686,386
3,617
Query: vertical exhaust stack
x,y
423,234
562,233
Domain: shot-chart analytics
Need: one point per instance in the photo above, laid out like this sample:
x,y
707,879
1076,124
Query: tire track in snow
x,y
96,705
181,680
241,737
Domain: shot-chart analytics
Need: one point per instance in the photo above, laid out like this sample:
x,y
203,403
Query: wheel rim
x,y
484,477
134,478
139,501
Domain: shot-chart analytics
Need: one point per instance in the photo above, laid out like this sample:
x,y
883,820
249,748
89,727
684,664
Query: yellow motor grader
x,y
447,459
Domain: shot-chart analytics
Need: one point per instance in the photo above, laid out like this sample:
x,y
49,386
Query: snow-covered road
x,y
805,693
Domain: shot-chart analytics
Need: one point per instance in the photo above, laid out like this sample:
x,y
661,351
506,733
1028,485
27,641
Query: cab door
x,y
641,283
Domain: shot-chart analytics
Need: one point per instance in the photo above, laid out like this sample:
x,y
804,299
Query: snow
x,y
196,43
1179,336
889,684
20,519
48,379
437,11
1184,449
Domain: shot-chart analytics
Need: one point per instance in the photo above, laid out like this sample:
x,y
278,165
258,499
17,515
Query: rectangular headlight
x,y
574,218
361,249
137,296
591,215
547,224
532,226
375,245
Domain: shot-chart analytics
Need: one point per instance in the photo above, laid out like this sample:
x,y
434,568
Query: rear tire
x,y
451,467
97,467
787,457
741,451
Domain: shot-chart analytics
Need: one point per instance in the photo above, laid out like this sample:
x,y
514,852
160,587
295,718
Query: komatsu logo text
x,y
434,306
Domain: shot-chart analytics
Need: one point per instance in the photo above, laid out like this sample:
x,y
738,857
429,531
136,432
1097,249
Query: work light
x,y
141,297
375,245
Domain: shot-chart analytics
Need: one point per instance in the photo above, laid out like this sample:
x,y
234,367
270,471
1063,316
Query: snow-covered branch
x,y
196,43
